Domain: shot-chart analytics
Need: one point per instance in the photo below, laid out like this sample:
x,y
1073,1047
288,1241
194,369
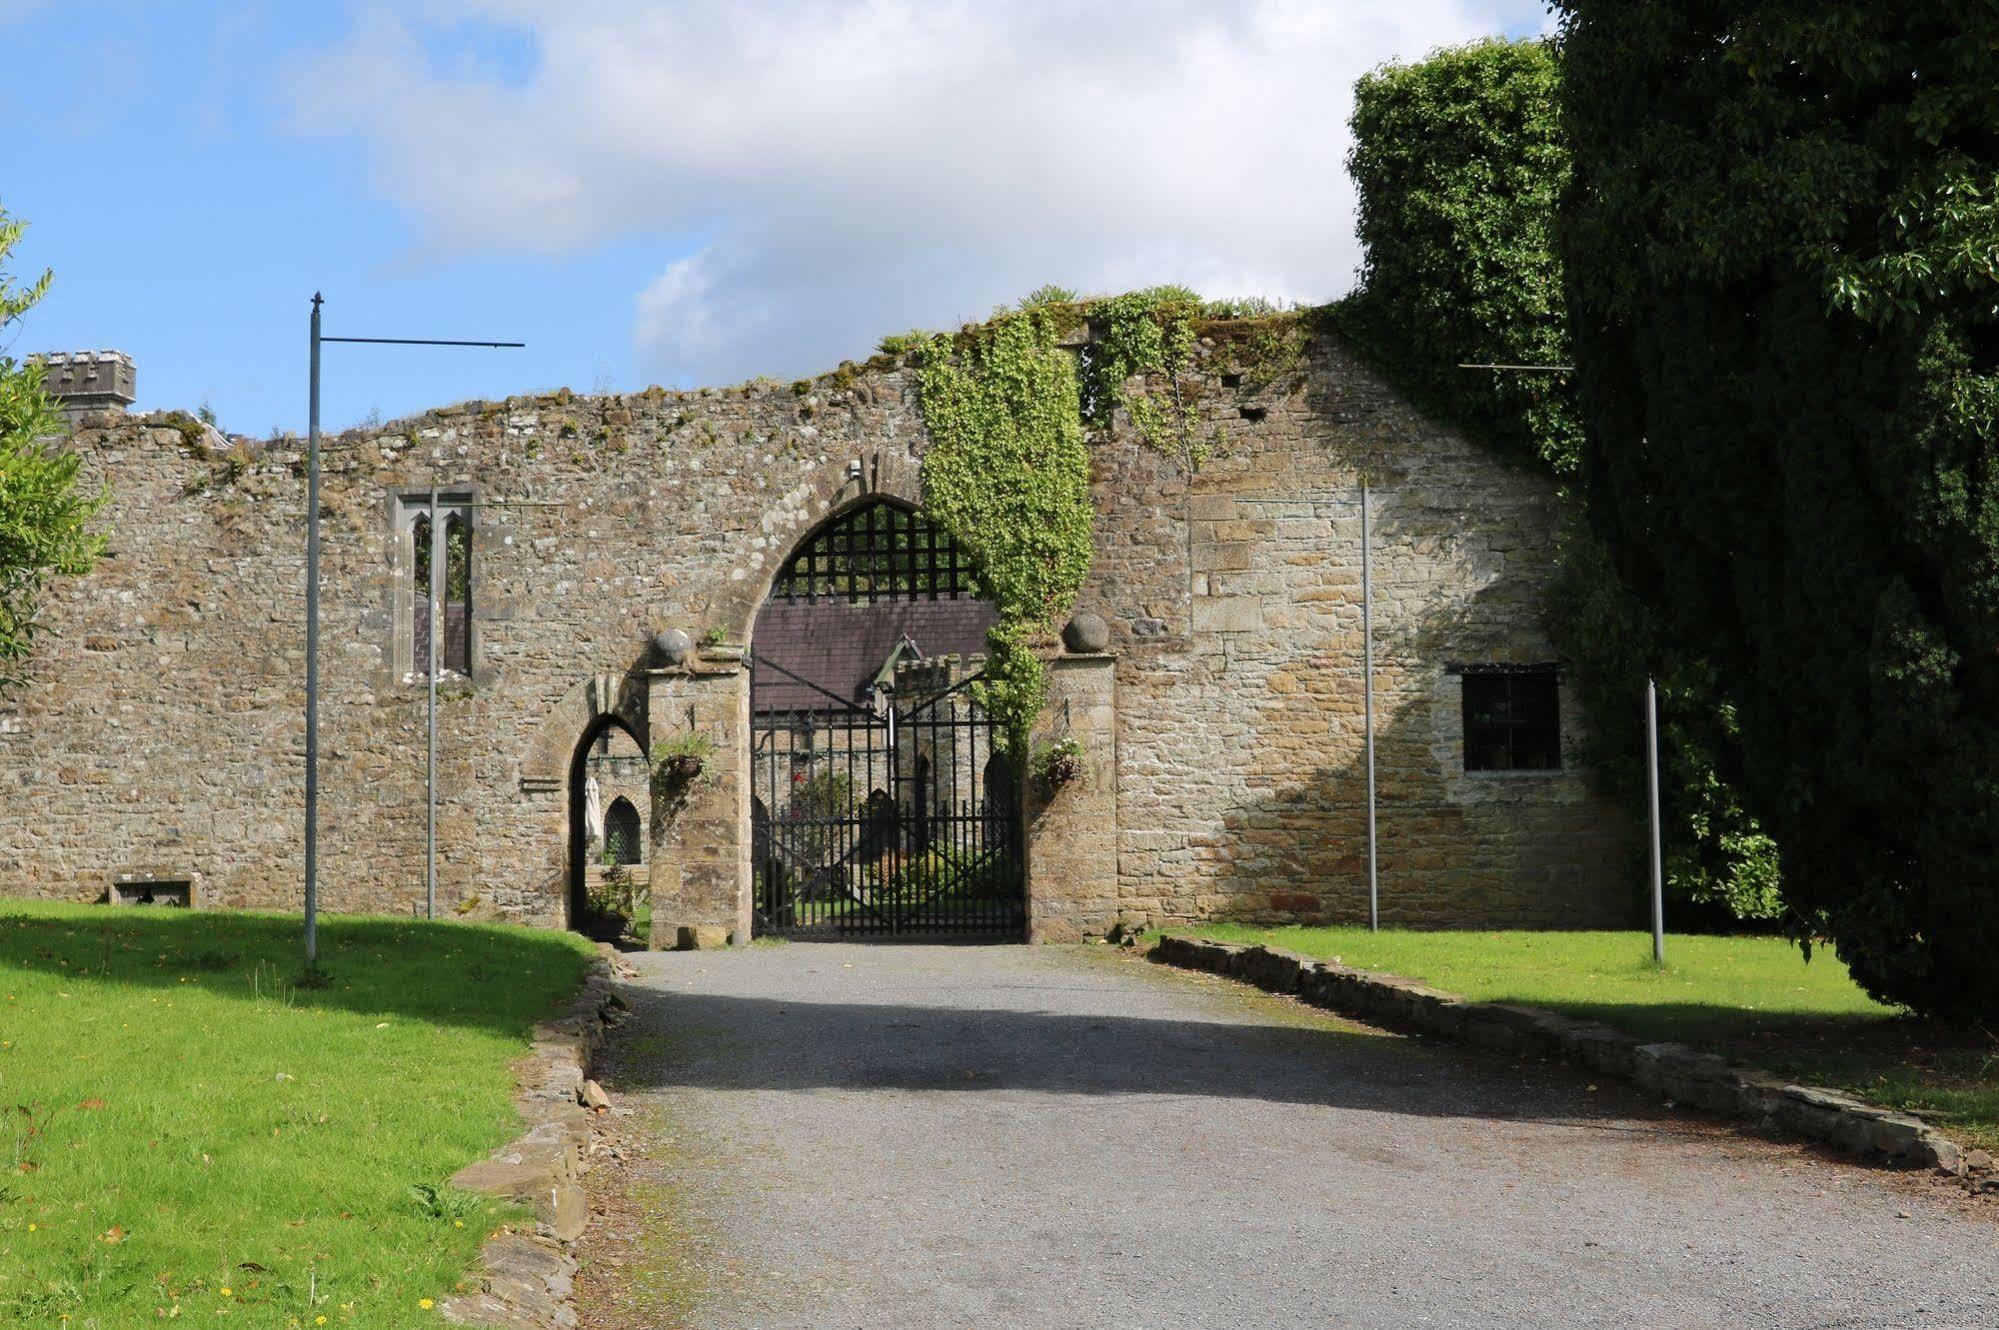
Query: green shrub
x,y
686,743
936,874
1049,294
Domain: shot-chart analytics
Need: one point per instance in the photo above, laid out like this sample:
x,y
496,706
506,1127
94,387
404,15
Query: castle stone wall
x,y
160,730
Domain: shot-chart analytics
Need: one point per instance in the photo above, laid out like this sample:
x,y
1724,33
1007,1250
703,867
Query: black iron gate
x,y
897,816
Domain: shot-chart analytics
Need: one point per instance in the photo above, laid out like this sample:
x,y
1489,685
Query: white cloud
x,y
843,170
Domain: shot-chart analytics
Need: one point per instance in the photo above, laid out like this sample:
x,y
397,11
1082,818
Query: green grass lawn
x,y
1752,998
187,1134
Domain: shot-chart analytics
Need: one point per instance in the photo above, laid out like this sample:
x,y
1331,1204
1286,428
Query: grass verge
x,y
1752,998
187,1132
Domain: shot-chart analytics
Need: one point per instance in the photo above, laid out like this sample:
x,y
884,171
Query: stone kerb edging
x,y
1682,1074
524,1279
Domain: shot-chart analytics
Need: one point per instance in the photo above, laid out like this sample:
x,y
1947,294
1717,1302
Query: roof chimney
x,y
83,381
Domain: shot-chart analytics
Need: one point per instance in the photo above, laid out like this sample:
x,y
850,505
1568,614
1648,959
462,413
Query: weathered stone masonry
x,y
160,733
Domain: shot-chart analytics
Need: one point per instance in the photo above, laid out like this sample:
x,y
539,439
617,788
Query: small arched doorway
x,y
610,780
869,753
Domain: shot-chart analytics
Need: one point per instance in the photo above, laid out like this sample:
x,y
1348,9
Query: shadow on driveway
x,y
732,1042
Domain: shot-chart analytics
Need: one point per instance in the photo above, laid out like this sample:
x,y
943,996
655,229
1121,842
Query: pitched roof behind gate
x,y
840,645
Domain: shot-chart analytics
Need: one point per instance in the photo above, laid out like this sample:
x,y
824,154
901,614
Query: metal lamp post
x,y
312,637
312,655
432,644
1367,689
1652,802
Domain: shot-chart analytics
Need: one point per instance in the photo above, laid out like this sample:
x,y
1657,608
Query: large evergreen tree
x,y
1781,244
43,512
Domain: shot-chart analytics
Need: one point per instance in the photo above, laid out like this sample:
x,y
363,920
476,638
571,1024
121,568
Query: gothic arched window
x,y
623,837
455,589
458,592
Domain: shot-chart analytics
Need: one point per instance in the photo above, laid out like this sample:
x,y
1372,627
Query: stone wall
x,y
161,727
160,731
1235,604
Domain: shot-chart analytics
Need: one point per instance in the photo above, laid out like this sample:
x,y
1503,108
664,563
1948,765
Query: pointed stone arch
x,y
840,485
622,696
861,663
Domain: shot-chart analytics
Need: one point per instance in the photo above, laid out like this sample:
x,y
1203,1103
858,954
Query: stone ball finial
x,y
1086,633
671,647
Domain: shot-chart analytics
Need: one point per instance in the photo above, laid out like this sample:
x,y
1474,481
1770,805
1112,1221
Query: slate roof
x,y
840,645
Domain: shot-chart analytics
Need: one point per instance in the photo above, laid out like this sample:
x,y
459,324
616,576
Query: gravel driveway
x,y
1043,1137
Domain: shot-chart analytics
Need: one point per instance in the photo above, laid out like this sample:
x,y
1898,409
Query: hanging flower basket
x,y
680,759
1060,763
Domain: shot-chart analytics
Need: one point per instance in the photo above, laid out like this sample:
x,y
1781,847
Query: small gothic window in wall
x,y
1512,720
456,591
420,594
622,835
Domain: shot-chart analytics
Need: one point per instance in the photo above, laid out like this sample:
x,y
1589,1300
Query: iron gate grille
x,y
898,818
882,552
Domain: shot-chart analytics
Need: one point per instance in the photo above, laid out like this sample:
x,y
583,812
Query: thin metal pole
x,y
312,655
1367,689
432,640
1658,855
312,643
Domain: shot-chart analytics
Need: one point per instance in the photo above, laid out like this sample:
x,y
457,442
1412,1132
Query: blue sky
x,y
650,192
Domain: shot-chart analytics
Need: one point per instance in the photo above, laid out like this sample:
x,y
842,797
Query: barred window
x,y
623,839
1512,718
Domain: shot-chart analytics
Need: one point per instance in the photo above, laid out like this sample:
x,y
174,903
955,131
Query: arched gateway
x,y
880,802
